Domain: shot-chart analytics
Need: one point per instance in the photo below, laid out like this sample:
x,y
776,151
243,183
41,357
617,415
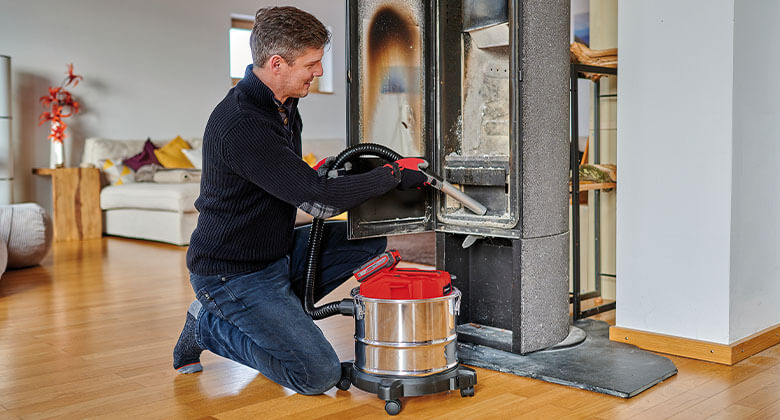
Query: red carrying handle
x,y
384,261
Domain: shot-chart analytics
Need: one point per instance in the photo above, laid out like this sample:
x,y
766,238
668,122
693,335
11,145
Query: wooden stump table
x,y
76,202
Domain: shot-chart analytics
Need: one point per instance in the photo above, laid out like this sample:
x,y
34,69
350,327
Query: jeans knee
x,y
321,377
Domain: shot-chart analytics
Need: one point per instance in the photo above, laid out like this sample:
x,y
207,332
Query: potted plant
x,y
60,105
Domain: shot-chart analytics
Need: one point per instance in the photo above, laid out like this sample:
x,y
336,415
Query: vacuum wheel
x,y
393,407
467,392
344,384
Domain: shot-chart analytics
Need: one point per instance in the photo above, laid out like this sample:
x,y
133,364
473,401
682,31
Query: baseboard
x,y
755,343
697,349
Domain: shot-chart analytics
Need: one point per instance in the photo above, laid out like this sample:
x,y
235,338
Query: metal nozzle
x,y
457,194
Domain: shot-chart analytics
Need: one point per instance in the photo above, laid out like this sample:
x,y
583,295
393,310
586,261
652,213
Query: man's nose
x,y
318,71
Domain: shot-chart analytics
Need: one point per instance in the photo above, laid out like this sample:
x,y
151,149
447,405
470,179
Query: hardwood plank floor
x,y
89,333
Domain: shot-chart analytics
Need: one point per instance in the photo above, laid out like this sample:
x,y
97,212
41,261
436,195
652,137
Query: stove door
x,y
389,103
439,80
478,101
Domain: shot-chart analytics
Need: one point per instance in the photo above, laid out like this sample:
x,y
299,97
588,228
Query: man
x,y
246,258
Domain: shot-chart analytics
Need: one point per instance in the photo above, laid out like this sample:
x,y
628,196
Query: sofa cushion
x,y
117,173
96,148
145,157
171,156
195,156
150,196
146,173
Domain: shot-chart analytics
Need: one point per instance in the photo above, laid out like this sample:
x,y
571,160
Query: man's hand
x,y
323,166
407,170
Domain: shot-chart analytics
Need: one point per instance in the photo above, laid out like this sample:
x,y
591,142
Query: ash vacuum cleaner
x,y
405,340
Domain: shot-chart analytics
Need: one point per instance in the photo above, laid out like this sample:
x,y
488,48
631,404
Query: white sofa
x,y
159,212
143,210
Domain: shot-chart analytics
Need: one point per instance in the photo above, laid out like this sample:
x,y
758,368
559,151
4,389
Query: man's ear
x,y
275,63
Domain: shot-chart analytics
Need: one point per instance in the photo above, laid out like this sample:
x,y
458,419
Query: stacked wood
x,y
598,173
579,53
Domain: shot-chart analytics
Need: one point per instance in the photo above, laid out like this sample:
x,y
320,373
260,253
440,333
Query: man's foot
x,y
186,354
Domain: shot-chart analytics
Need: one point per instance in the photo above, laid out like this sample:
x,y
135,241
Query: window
x,y
241,56
324,84
240,53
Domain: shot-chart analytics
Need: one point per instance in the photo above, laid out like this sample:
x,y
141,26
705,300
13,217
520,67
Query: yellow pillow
x,y
310,159
171,156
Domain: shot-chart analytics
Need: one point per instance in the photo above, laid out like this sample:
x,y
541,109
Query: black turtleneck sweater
x,y
254,178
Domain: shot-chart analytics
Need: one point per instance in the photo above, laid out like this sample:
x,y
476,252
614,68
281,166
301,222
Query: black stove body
x,y
479,88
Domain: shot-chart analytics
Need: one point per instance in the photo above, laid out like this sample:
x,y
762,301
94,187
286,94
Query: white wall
x,y
150,69
674,160
755,228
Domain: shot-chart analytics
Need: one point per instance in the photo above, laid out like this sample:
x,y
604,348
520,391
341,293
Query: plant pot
x,y
57,156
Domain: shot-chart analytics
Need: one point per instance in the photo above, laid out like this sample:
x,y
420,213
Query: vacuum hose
x,y
345,306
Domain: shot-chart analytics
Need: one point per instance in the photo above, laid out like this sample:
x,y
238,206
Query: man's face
x,y
299,75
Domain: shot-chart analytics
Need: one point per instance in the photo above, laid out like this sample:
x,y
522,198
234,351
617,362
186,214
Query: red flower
x,y
44,118
72,78
53,93
61,105
57,130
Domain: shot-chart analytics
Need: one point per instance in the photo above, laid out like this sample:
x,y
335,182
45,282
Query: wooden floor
x,y
89,333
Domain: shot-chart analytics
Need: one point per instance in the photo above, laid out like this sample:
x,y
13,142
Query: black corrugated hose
x,y
345,306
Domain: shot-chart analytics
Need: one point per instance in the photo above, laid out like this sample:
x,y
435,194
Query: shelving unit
x,y
575,74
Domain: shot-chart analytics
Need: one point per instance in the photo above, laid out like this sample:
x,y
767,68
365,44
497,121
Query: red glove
x,y
322,162
323,167
407,171
412,163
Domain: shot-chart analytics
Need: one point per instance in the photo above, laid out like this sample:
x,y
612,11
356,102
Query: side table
x,y
76,201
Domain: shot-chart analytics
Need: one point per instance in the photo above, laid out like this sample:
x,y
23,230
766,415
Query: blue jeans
x,y
257,319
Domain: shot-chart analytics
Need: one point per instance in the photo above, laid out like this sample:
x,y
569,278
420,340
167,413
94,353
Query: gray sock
x,y
186,354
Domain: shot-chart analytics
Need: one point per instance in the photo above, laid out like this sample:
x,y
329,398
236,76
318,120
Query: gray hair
x,y
285,31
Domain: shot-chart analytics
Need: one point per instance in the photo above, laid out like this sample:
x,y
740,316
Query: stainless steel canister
x,y
413,337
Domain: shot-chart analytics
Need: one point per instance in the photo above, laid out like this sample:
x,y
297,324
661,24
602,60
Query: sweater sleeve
x,y
263,155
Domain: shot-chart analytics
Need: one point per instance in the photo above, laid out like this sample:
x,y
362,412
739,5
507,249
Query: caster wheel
x,y
344,384
393,407
467,392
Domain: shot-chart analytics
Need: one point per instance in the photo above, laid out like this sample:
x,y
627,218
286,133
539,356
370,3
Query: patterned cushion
x,y
117,173
171,156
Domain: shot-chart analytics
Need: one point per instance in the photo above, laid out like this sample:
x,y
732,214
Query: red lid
x,y
407,283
